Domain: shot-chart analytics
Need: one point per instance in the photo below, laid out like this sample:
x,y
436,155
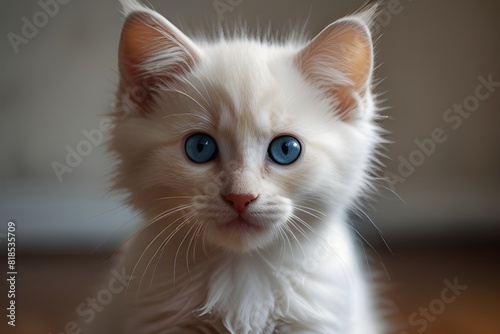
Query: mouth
x,y
239,224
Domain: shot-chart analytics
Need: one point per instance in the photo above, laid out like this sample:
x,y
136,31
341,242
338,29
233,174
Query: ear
x,y
152,53
340,61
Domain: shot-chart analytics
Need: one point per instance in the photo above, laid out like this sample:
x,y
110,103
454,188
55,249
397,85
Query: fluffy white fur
x,y
299,273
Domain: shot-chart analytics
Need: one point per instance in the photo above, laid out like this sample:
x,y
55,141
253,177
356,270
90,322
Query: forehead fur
x,y
245,85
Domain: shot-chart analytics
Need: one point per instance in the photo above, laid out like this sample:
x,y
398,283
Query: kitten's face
x,y
243,148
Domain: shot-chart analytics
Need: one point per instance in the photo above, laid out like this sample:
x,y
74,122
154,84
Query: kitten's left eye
x,y
201,148
284,150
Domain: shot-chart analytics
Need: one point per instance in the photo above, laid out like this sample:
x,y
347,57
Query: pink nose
x,y
240,202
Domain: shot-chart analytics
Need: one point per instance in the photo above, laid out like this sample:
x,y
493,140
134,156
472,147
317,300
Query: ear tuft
x,y
339,60
130,6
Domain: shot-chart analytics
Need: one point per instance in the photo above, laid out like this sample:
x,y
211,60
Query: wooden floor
x,y
416,282
419,289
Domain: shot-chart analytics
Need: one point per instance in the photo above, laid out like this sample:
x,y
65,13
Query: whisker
x,y
196,89
162,216
159,217
297,227
163,245
172,197
305,224
190,97
186,114
203,245
128,222
194,239
115,232
187,252
326,247
378,230
137,232
366,241
293,235
285,236
392,191
304,208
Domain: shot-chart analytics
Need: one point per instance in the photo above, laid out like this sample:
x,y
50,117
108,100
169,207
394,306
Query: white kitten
x,y
244,157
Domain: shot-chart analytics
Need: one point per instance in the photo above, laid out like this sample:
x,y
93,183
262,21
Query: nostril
x,y
239,201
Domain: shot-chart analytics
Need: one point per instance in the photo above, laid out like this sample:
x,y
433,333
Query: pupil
x,y
284,148
201,145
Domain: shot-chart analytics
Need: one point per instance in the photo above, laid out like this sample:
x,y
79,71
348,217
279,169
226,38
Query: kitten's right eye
x,y
201,148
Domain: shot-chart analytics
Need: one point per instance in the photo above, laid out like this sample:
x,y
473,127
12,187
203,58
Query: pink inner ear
x,y
339,60
346,102
151,54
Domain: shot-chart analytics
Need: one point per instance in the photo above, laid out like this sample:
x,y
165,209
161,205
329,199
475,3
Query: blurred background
x,y
439,211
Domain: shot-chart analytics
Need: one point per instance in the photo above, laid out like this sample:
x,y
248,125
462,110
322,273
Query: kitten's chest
x,y
244,295
228,296
252,294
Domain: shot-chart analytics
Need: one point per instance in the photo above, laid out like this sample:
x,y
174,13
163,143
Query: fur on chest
x,y
246,295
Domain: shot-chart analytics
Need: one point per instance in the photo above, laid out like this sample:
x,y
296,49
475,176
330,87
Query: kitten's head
x,y
240,140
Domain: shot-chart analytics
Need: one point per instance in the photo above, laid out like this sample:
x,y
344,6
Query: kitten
x,y
244,156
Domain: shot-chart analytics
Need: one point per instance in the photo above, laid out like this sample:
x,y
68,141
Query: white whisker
x,y
154,239
165,242
187,252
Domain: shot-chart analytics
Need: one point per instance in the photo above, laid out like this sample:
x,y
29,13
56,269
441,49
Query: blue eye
x,y
284,150
201,148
